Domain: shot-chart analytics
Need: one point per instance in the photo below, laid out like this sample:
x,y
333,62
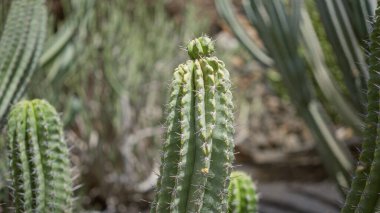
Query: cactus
x,y
242,196
365,187
20,48
38,159
198,151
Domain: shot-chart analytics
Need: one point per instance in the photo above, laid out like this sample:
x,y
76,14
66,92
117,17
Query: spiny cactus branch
x,y
20,48
198,151
365,187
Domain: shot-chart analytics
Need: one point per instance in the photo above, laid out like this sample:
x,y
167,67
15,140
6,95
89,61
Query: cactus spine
x,y
38,159
242,196
20,47
365,187
198,151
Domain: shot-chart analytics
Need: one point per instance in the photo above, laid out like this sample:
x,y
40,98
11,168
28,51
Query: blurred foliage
x,y
110,80
316,47
4,7
3,171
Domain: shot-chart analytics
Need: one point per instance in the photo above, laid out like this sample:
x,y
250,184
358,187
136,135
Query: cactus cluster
x,y
198,151
242,195
20,48
38,159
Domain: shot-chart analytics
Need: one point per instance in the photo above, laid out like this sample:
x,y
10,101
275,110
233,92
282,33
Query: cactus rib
x,y
198,151
38,159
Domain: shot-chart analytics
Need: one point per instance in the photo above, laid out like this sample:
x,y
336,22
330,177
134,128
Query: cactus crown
x,y
38,159
200,47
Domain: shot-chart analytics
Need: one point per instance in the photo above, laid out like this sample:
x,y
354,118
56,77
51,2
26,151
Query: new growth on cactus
x,y
38,159
198,151
242,195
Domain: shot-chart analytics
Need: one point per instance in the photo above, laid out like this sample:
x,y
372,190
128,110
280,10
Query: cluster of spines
x,y
38,159
20,47
365,188
198,151
242,194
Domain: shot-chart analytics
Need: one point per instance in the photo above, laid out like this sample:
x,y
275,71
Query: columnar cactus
x,y
242,196
365,189
38,159
198,151
20,48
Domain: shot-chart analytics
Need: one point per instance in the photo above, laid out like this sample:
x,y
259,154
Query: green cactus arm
x,y
366,183
198,154
20,47
38,159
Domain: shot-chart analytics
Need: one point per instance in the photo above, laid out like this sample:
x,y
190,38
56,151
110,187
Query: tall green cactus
x,y
365,187
38,159
242,195
198,151
20,48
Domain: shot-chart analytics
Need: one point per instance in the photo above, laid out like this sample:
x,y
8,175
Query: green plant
x,y
37,155
198,151
242,195
38,159
20,48
364,193
127,70
293,47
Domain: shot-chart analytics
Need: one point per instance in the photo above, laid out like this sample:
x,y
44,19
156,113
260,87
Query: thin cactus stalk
x,y
365,188
242,195
198,151
38,159
20,47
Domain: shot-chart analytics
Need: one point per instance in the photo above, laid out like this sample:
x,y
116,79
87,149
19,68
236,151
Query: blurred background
x,y
299,74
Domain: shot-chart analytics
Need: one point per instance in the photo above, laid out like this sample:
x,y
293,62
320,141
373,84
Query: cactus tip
x,y
199,47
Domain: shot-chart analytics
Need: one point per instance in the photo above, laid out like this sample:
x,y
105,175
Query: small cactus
x,y
242,195
38,159
198,151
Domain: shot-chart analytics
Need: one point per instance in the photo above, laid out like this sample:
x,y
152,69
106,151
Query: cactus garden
x,y
174,106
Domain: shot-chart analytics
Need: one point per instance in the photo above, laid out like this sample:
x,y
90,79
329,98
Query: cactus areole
x,y
198,151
